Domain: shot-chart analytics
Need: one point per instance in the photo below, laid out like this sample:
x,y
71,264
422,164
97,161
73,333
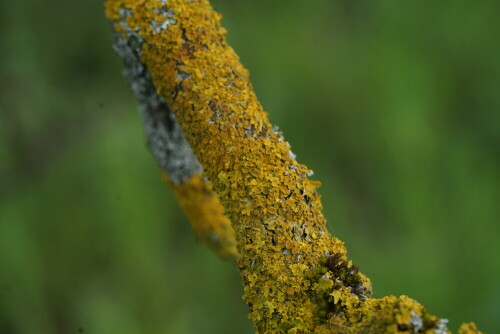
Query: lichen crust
x,y
296,275
206,214
169,147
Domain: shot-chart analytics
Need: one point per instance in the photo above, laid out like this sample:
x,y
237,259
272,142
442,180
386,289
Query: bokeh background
x,y
394,104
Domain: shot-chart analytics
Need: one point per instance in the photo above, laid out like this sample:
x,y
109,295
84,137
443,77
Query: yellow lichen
x,y
469,328
284,246
206,214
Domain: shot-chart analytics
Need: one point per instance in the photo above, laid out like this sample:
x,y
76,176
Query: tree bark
x,y
181,168
296,275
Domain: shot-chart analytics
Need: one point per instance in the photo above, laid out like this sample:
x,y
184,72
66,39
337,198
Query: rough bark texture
x,y
296,275
173,153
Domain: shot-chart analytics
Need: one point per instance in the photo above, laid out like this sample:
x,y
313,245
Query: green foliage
x,y
393,104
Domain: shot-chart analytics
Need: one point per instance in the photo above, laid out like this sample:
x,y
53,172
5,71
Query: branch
x,y
296,275
181,168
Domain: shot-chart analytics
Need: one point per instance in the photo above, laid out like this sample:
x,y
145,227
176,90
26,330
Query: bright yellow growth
x,y
468,328
206,214
291,281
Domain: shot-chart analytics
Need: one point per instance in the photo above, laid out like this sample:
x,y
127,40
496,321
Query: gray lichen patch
x,y
442,326
168,19
416,322
164,136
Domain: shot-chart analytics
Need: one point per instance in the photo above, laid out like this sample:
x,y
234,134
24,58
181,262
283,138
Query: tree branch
x,y
181,168
296,275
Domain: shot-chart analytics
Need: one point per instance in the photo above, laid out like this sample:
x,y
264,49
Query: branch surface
x,y
181,168
296,275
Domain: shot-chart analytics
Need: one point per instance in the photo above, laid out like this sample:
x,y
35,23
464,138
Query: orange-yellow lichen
x,y
469,328
290,282
206,214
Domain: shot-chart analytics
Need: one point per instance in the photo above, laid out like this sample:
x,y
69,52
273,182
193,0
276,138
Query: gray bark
x,y
164,136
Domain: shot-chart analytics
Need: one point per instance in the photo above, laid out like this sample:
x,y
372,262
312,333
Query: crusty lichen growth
x,y
171,150
275,208
296,275
469,328
206,214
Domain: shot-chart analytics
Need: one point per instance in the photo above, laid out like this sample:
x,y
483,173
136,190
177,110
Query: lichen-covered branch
x,y
296,275
173,153
206,214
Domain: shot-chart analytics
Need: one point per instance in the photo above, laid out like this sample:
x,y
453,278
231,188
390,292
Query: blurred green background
x,y
394,104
